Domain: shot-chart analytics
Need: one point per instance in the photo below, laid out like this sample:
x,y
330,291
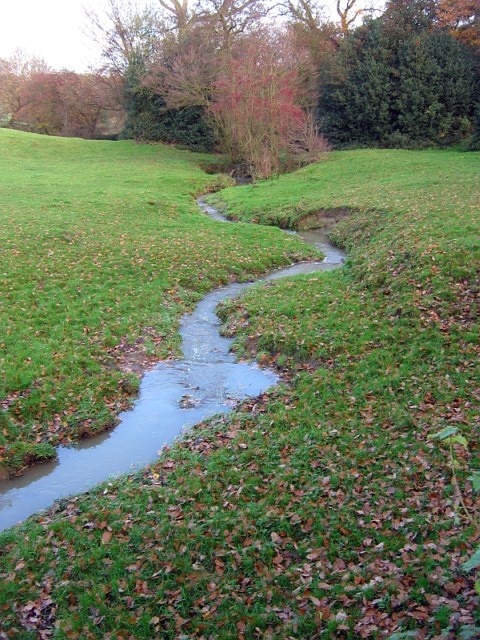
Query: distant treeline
x,y
221,76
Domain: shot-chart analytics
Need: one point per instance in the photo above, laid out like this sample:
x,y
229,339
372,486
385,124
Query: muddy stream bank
x,y
173,396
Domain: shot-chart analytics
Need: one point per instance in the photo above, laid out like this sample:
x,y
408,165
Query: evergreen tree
x,y
474,144
436,81
148,118
403,19
402,83
356,107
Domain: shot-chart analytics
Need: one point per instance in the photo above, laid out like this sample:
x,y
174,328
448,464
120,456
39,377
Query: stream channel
x,y
173,396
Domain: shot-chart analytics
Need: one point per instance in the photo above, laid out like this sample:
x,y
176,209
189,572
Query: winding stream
x,y
173,396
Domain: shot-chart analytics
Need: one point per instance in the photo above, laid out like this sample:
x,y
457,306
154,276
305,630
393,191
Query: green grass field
x,y
322,509
103,248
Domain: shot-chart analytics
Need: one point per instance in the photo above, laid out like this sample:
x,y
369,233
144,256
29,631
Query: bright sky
x,y
55,30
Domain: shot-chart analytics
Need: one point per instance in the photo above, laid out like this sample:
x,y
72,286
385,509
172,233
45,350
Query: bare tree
x,y
126,34
256,106
314,38
88,104
180,15
188,62
230,18
16,73
305,12
313,16
350,11
184,73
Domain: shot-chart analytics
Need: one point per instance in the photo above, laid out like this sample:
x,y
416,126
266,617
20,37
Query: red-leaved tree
x,y
462,18
36,98
256,108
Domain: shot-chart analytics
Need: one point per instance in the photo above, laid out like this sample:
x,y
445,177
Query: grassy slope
x,y
323,510
99,243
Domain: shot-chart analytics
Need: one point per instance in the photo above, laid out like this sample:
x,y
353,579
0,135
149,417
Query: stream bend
x,y
173,396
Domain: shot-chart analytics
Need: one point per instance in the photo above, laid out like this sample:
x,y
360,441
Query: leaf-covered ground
x,y
323,509
103,249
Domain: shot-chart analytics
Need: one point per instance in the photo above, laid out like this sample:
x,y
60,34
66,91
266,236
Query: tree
x,y
160,58
176,85
354,105
313,41
256,107
407,86
175,90
34,97
131,39
228,19
151,119
349,11
179,14
188,63
42,110
437,83
462,18
404,18
15,74
184,74
128,36
304,12
89,104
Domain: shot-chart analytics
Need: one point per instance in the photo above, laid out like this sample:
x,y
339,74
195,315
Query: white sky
x,y
55,30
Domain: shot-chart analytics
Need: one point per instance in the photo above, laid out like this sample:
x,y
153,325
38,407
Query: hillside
x,y
330,507
99,243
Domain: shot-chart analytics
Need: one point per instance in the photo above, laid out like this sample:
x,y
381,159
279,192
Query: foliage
x,y
149,119
321,509
462,18
356,109
436,90
14,72
256,110
403,19
453,438
475,139
457,445
161,98
401,86
35,98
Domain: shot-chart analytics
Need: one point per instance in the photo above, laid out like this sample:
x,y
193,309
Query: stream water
x,y
173,396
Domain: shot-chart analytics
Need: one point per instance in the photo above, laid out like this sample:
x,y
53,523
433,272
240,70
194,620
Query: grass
x,y
406,182
322,509
99,243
